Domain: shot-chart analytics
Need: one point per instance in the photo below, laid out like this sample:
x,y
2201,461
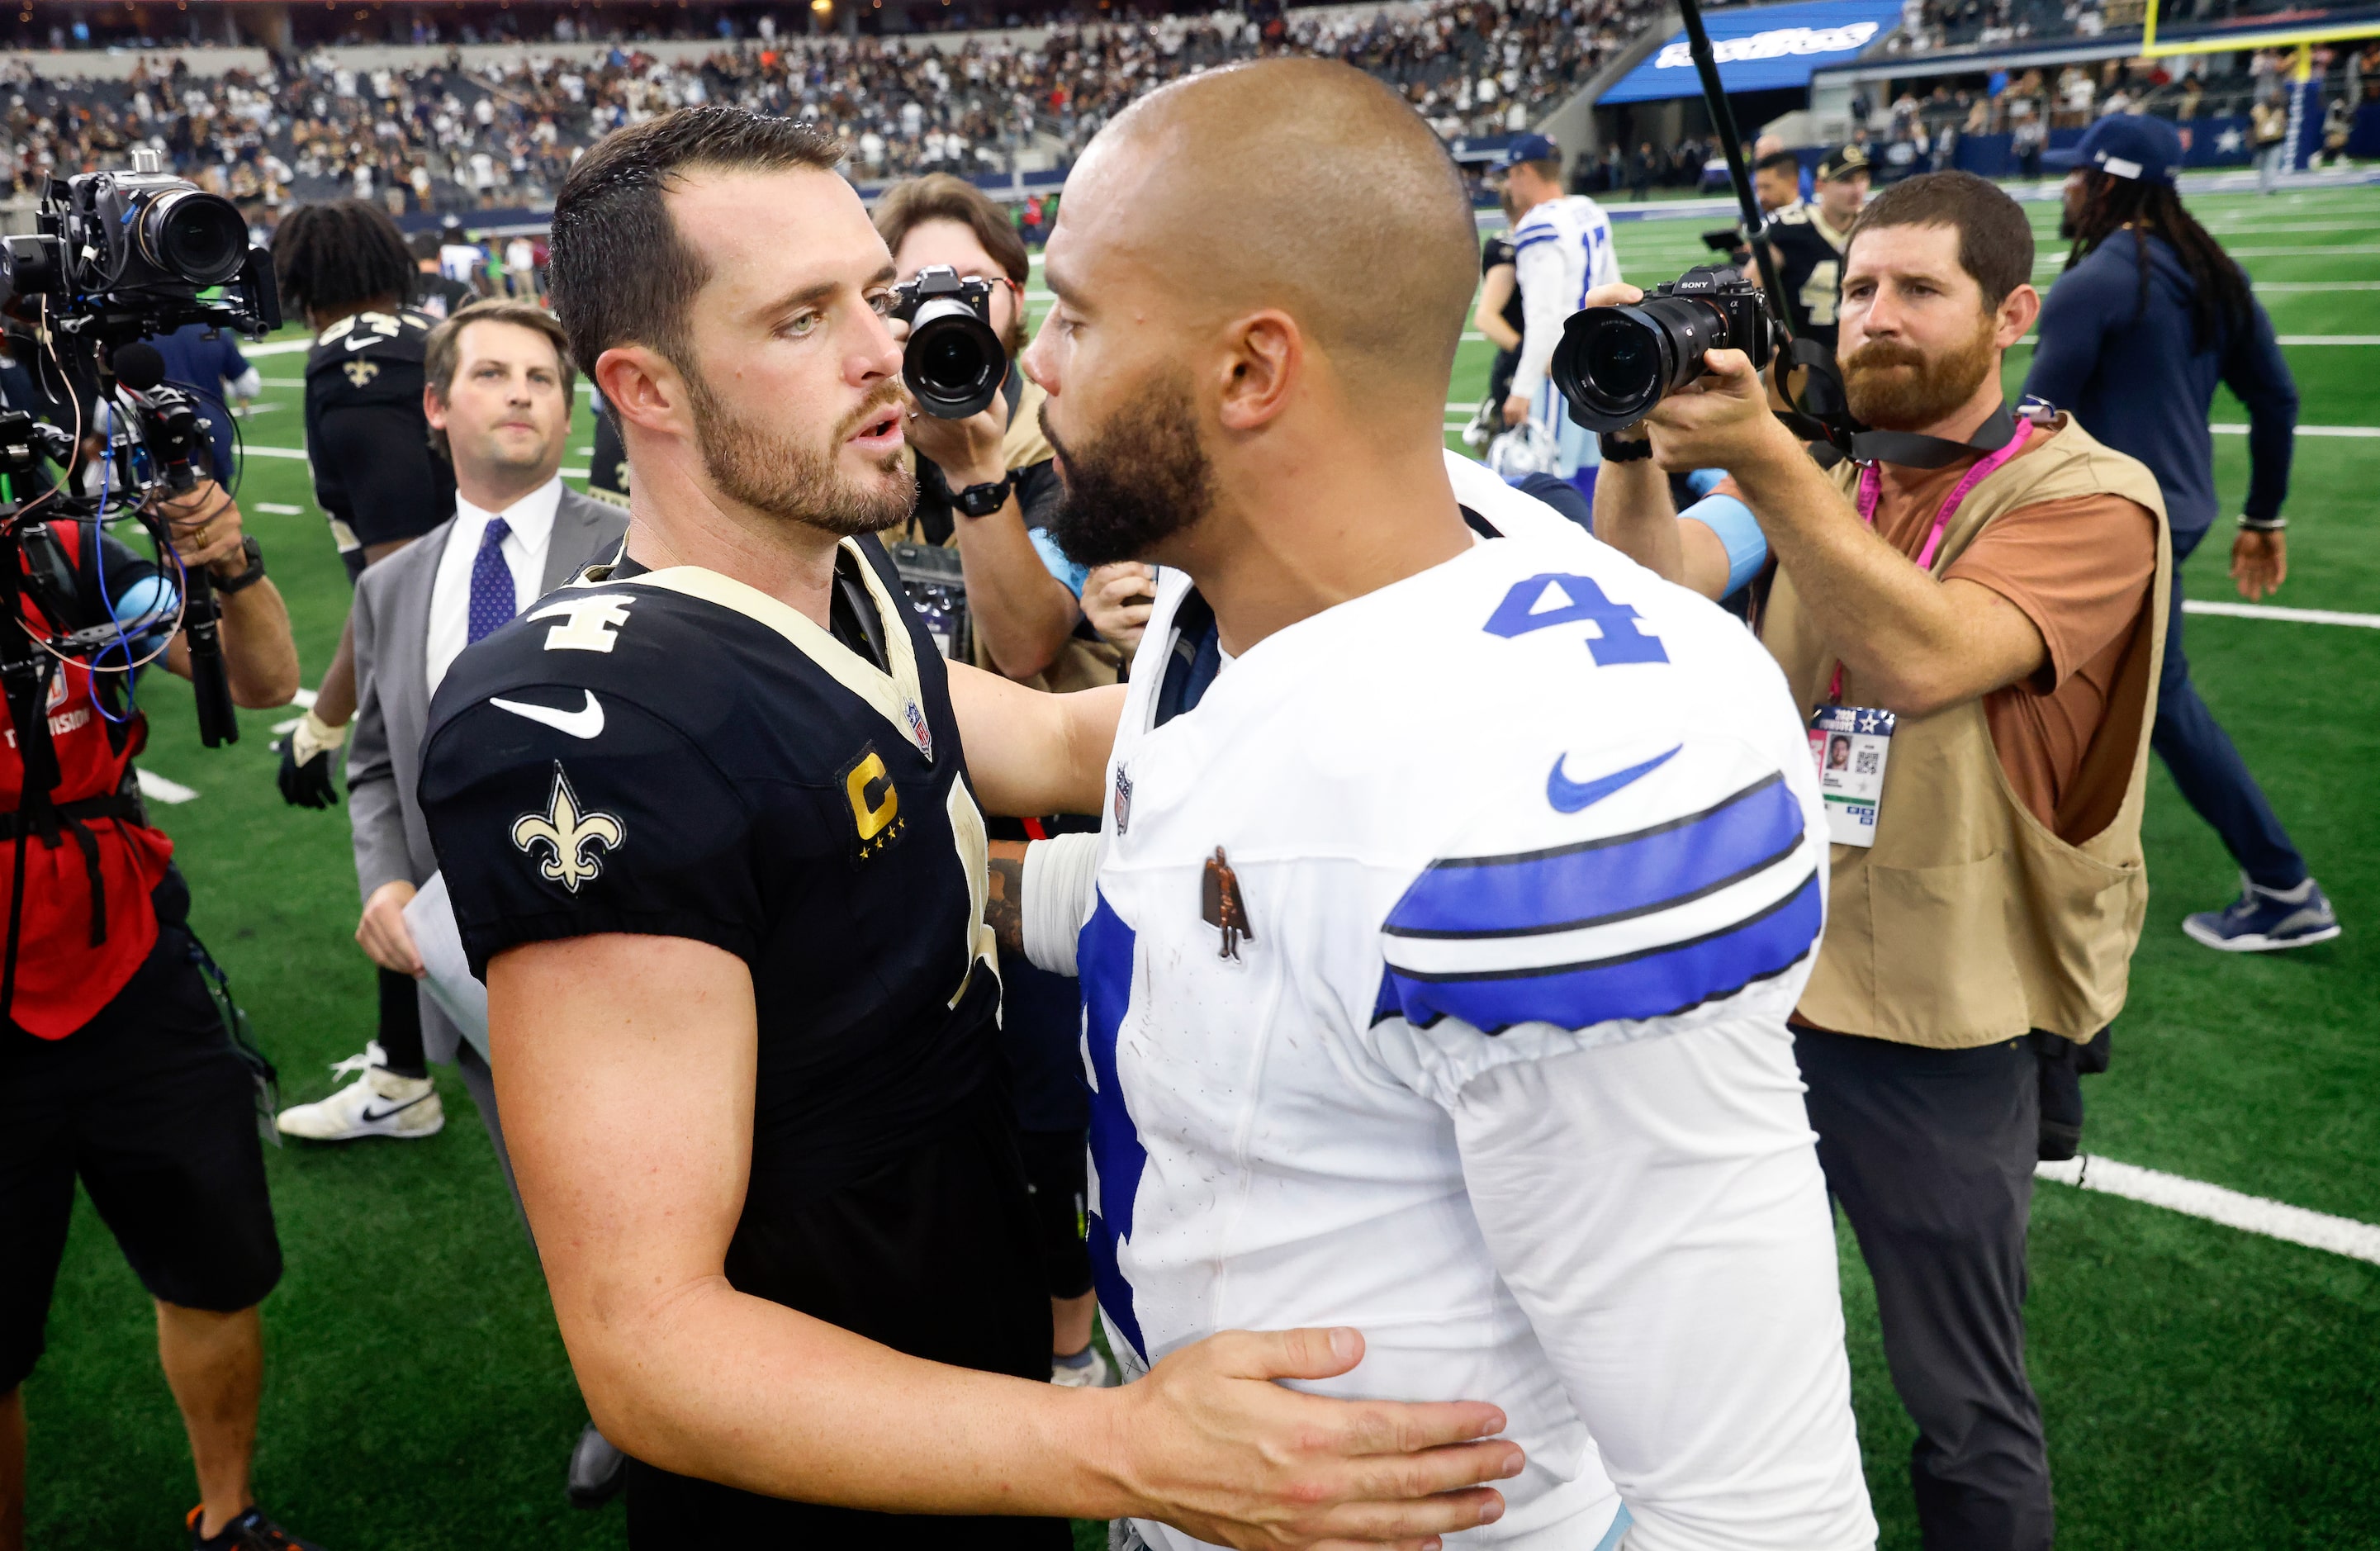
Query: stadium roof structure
x,y
1761,48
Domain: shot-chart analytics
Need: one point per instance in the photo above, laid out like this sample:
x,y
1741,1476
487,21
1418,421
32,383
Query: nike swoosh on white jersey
x,y
585,722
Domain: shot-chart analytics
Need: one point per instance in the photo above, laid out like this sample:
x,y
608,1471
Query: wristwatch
x,y
1633,449
253,554
982,501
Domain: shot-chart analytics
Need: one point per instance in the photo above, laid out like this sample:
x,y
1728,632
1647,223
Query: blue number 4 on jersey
x,y
1552,597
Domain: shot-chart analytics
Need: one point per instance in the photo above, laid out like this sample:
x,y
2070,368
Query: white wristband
x,y
1058,876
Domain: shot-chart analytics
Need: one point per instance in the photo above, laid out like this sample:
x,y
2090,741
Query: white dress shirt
x,y
531,521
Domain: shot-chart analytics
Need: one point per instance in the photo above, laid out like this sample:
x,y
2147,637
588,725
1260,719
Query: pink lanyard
x,y
1871,491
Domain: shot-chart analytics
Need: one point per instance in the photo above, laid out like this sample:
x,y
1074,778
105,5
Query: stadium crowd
x,y
443,137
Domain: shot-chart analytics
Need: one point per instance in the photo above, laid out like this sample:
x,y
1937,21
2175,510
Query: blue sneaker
x,y
2261,920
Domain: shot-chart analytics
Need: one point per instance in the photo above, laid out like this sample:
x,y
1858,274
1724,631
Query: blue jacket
x,y
2139,383
202,366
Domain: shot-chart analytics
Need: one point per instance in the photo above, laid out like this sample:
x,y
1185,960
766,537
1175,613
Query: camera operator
x,y
115,1065
2150,297
346,267
985,483
1806,240
1998,694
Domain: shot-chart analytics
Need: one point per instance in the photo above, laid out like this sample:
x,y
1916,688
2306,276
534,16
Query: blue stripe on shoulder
x,y
1654,983
1543,234
1608,879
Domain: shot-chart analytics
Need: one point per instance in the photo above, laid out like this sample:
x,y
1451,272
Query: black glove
x,y
307,781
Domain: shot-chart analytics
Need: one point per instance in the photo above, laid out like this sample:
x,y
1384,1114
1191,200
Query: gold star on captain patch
x,y
362,372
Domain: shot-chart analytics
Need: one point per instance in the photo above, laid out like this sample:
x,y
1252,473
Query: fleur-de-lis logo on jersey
x,y
577,840
360,372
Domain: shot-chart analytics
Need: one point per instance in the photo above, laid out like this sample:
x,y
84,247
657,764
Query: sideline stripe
x,y
2230,428
2267,611
2316,284
2250,1214
157,789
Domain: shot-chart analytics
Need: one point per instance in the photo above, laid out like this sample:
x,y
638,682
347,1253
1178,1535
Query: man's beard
x,y
1134,482
776,475
1893,387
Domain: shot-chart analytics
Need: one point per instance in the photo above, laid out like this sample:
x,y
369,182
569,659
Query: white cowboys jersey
x,y
1561,250
1533,804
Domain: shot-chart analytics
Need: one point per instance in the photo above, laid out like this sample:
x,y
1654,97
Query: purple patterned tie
x,y
492,601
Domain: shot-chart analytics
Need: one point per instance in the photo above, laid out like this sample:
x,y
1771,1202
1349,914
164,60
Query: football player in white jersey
x,y
1456,877
1561,250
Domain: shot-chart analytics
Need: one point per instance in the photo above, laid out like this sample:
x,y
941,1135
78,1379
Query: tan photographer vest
x,y
1969,921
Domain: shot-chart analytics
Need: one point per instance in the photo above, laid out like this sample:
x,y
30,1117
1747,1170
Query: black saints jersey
x,y
1809,270
672,753
375,474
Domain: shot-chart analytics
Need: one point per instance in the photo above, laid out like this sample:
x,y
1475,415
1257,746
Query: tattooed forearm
x,y
1004,905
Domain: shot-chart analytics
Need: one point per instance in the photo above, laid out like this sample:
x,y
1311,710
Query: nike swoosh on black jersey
x,y
585,722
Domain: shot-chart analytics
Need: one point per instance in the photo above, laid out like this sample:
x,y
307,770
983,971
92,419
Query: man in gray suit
x,y
497,393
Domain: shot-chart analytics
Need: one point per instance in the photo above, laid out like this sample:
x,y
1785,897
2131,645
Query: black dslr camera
x,y
126,255
955,362
1615,363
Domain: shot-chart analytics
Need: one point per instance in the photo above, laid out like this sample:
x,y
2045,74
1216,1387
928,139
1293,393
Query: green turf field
x,y
2205,1388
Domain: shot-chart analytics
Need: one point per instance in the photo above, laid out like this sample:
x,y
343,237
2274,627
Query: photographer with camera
x,y
985,479
1021,596
123,1060
115,1067
1976,599
2149,297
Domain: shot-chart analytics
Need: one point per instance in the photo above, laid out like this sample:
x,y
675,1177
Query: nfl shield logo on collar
x,y
1122,802
920,730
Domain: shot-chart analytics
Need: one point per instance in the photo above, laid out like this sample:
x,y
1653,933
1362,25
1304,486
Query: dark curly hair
x,y
2220,302
332,259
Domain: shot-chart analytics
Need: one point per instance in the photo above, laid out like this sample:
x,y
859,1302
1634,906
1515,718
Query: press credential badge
x,y
1850,744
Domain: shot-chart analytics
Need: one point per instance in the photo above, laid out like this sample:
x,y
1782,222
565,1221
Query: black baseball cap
x,y
1842,162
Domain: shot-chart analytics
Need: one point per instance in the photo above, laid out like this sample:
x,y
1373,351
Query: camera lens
x,y
1622,360
953,363
195,236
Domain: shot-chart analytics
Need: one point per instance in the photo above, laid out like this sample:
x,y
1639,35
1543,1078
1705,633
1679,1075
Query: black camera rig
x,y
115,259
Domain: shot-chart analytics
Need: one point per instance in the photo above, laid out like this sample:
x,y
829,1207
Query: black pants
x,y
1931,1154
149,1107
2206,766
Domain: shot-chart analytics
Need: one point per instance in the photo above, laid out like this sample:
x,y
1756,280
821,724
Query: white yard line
x,y
2268,611
157,789
303,699
279,510
2317,285
2232,427
252,450
2250,1214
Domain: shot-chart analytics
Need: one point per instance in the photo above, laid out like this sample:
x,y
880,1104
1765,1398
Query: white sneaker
x,y
378,1103
1090,1370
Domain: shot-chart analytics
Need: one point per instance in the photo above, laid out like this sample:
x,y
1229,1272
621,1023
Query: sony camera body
x,y
120,256
954,361
1615,363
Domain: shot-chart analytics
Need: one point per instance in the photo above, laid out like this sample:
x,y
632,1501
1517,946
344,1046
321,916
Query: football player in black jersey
x,y
345,266
713,842
1807,242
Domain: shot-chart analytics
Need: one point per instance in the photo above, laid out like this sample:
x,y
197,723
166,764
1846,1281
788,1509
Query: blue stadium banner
x,y
1761,48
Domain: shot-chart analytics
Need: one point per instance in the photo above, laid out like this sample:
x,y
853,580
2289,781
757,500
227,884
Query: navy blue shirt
x,y
2138,381
202,366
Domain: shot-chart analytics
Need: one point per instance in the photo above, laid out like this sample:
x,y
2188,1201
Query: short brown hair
x,y
619,270
442,354
905,207
1995,238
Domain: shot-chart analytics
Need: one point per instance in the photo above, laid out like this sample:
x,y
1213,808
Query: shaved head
x,y
1309,186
